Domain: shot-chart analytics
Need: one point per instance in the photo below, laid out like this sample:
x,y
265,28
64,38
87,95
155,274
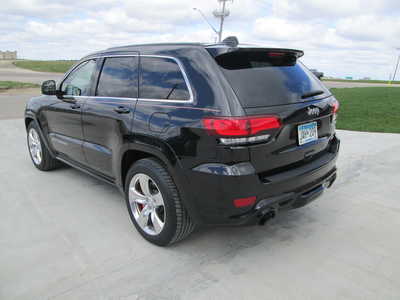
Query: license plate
x,y
307,133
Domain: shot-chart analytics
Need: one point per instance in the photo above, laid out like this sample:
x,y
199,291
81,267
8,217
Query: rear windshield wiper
x,y
172,90
312,94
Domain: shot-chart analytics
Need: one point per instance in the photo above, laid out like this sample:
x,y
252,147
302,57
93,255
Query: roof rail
x,y
231,41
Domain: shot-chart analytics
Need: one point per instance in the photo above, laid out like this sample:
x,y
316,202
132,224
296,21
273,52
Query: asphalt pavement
x,y
8,72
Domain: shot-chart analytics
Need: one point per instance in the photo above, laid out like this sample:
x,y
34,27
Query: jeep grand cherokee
x,y
191,134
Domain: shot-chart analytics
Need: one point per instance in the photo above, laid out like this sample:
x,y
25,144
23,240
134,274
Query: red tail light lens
x,y
335,106
242,202
240,126
276,54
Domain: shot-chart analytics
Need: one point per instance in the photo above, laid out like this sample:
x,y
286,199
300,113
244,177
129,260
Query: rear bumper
x,y
214,194
286,201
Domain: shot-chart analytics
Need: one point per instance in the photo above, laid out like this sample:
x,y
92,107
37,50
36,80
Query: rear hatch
x,y
272,82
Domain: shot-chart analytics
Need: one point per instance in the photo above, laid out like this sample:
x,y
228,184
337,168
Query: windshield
x,y
261,78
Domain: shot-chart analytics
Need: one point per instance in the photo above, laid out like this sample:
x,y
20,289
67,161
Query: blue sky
x,y
341,38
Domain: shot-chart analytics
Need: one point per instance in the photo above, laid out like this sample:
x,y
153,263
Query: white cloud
x,y
305,9
369,28
272,28
341,37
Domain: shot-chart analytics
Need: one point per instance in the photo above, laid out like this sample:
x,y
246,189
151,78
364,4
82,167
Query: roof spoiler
x,y
217,50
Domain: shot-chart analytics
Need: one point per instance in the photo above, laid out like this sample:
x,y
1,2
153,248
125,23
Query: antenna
x,y
231,41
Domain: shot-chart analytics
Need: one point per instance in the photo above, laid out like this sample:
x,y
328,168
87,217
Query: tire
x,y
43,161
171,216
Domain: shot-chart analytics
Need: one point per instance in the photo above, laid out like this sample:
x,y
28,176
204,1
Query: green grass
x,y
375,109
6,85
361,81
57,66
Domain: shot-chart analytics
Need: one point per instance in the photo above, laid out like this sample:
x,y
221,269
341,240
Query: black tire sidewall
x,y
170,226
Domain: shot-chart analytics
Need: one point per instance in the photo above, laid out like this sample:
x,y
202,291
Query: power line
x,y
205,19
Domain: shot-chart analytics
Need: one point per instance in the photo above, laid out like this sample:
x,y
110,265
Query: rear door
x,y
274,82
107,117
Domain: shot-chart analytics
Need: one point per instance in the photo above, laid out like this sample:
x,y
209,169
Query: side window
x,y
78,81
161,78
119,77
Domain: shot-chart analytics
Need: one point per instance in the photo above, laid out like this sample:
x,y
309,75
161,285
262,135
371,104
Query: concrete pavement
x,y
13,102
66,235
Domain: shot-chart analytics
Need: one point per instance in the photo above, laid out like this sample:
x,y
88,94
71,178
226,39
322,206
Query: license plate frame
x,y
307,133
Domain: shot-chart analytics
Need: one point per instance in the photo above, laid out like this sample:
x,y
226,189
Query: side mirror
x,y
49,87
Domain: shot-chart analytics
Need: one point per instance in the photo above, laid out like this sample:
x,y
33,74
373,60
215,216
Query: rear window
x,y
119,77
261,78
161,78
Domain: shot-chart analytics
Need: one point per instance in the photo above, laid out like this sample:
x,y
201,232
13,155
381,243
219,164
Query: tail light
x,y
240,130
335,109
276,54
242,202
335,106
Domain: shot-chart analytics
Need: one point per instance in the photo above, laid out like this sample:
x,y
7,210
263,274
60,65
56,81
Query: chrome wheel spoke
x,y
144,185
157,223
31,141
158,199
143,218
137,197
39,154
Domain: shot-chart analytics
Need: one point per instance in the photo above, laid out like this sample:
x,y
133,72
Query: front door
x,y
107,117
64,117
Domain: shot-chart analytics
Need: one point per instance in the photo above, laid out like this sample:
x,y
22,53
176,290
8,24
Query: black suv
x,y
191,134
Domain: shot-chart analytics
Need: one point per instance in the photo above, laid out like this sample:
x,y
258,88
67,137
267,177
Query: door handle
x,y
75,106
122,110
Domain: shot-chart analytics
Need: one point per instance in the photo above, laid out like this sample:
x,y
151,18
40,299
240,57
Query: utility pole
x,y
221,14
397,66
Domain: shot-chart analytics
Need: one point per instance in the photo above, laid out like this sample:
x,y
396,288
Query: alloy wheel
x,y
35,146
147,204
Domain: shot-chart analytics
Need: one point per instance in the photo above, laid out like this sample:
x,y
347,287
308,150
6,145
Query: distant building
x,y
348,78
366,78
8,55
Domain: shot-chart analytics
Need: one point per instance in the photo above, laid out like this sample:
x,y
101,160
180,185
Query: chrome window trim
x,y
178,62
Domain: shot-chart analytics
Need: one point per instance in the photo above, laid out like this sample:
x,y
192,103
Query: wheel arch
x,y
168,159
135,152
28,120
